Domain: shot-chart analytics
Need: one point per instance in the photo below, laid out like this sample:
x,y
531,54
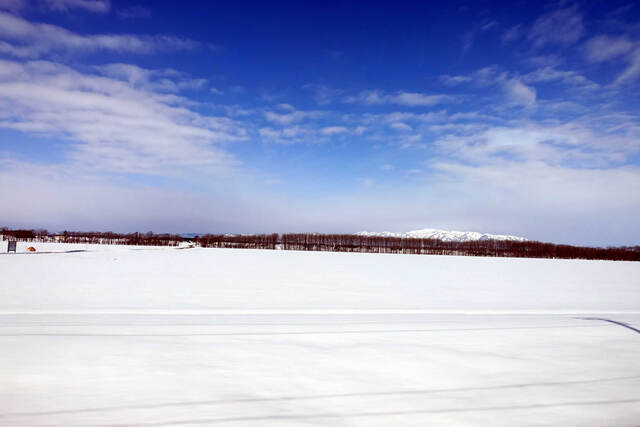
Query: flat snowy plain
x,y
134,336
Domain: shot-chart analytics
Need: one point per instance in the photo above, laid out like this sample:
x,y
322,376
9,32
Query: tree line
x,y
398,245
93,237
339,243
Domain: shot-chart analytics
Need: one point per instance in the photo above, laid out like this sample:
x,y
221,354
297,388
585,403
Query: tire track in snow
x,y
615,322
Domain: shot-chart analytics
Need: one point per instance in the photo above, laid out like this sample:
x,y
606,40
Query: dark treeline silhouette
x,y
339,243
396,245
94,237
24,235
253,241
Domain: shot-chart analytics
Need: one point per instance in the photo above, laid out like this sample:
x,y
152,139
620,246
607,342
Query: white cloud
x,y
401,126
632,71
293,116
520,93
359,130
605,48
520,171
516,86
550,74
26,39
269,133
584,206
334,130
573,143
166,80
562,27
111,125
367,97
287,107
413,99
609,48
97,6
13,5
487,76
454,80
410,99
295,134
401,116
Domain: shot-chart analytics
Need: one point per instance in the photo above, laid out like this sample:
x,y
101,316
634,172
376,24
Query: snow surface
x,y
163,336
444,235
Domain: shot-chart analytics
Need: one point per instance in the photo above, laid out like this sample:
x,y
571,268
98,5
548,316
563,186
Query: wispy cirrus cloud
x,y
96,6
512,33
289,134
93,6
291,116
486,76
25,39
632,70
306,134
554,145
519,88
513,86
334,130
469,37
605,47
164,80
551,74
110,124
450,80
13,5
410,99
562,27
621,48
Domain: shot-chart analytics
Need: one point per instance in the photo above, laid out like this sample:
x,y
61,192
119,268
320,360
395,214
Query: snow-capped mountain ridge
x,y
444,235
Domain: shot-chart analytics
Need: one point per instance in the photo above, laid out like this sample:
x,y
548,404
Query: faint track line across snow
x,y
377,414
213,334
615,322
320,396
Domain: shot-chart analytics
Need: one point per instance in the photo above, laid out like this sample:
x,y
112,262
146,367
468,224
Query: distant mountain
x,y
444,235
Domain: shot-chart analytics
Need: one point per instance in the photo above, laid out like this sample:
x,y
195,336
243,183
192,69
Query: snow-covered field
x,y
135,336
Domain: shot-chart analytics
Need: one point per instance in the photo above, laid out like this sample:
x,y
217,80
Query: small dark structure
x,y
11,246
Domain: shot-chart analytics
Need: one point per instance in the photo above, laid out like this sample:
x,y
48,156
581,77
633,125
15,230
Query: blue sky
x,y
511,118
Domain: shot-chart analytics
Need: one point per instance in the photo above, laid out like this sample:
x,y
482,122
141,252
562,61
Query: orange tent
x,y
31,249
